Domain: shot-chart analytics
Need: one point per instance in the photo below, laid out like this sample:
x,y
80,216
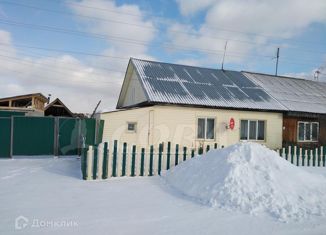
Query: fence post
x,y
100,154
176,161
295,157
160,153
83,160
142,159
133,161
215,146
310,157
119,159
289,155
168,155
155,161
95,163
283,153
114,159
320,157
300,158
305,157
207,148
164,158
324,159
200,150
184,153
192,153
124,159
90,155
278,152
172,157
129,161
316,156
151,160
105,161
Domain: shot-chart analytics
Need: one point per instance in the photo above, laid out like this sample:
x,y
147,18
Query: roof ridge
x,y
283,76
184,65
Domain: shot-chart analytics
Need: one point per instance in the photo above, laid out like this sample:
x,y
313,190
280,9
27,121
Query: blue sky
x,y
178,31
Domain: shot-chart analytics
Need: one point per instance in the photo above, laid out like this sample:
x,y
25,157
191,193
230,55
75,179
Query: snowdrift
x,y
253,179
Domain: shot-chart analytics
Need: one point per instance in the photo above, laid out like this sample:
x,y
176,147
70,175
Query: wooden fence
x,y
102,161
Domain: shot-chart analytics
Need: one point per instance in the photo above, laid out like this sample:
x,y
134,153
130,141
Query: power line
x,y
213,27
122,39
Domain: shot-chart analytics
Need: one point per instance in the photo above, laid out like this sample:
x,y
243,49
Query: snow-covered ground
x,y
50,194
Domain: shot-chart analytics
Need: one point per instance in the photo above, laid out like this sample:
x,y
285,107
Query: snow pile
x,y
253,179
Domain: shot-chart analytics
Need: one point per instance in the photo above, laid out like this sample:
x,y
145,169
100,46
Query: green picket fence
x,y
304,156
102,162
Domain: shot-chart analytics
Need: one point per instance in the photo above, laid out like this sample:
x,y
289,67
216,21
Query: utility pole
x,y
226,44
277,57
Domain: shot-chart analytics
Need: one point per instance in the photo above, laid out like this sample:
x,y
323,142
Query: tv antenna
x,y
277,58
225,47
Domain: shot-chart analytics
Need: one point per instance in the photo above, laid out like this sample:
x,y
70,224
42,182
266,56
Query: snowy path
x,y
51,190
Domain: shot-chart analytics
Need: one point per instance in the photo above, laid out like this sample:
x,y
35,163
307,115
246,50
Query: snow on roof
x,y
188,85
297,95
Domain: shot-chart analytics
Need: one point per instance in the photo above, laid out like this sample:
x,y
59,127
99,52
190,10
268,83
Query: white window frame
x,y
248,132
304,132
205,131
132,131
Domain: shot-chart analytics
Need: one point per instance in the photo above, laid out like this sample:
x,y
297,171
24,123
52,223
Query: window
x,y
308,131
132,126
252,130
206,128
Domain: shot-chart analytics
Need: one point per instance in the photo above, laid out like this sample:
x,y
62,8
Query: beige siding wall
x,y
134,93
179,125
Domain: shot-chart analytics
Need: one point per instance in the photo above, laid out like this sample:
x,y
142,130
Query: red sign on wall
x,y
232,123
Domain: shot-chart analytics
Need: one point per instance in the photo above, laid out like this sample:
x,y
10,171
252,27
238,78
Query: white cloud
x,y
188,7
228,19
79,84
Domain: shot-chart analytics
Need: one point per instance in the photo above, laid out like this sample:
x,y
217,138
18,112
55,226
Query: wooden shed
x,y
31,104
57,108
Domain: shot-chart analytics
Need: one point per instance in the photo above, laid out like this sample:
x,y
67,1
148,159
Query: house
x,y
192,106
304,124
57,108
29,104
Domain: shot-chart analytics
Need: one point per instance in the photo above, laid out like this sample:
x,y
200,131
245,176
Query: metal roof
x,y
181,84
297,95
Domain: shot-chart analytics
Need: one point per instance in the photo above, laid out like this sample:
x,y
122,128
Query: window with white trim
x,y
308,131
206,128
252,130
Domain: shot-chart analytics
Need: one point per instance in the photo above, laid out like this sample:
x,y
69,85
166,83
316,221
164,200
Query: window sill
x,y
260,141
307,141
206,140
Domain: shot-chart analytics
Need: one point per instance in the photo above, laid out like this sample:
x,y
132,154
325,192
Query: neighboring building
x,y
57,108
192,106
304,124
30,104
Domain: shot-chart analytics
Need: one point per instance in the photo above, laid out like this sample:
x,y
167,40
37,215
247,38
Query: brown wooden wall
x,y
290,125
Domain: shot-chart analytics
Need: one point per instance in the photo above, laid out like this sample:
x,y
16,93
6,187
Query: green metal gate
x,y
22,135
33,136
5,139
69,132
